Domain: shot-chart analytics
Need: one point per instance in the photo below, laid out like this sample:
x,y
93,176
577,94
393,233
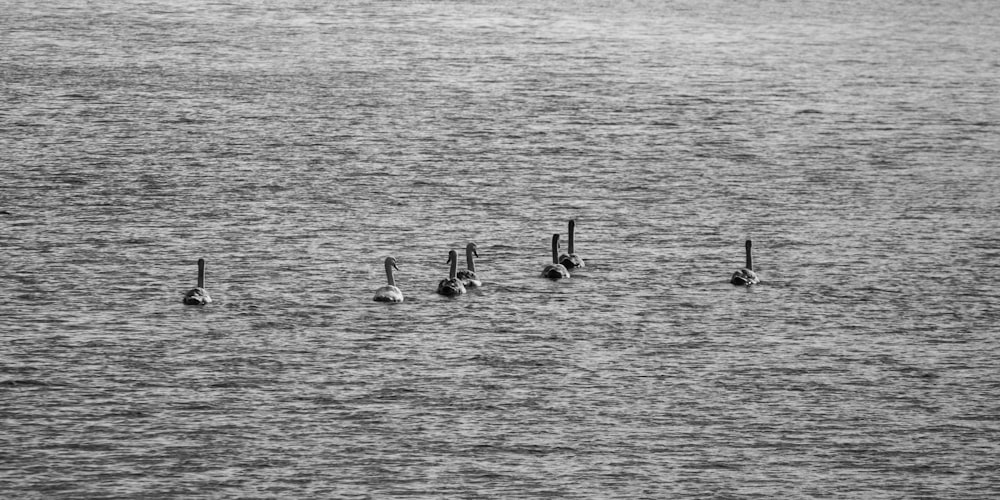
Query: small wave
x,y
25,383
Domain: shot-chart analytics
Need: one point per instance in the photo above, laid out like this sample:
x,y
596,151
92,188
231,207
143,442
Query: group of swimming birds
x,y
458,281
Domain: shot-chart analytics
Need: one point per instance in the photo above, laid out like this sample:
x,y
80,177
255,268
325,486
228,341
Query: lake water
x,y
295,145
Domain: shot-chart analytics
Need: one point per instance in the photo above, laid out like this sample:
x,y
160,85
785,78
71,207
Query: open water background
x,y
295,144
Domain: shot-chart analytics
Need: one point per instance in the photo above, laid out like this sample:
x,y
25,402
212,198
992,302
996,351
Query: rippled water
x,y
295,145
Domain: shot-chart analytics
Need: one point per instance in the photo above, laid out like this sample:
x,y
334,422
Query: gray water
x,y
295,145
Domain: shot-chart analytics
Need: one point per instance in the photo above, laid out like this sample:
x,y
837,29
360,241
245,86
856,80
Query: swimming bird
x,y
571,260
746,276
198,296
451,286
389,293
468,276
555,270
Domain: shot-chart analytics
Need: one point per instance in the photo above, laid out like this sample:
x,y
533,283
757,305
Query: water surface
x,y
295,145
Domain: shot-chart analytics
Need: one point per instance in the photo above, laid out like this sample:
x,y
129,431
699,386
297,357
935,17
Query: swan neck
x,y
749,257
453,271
470,259
572,227
555,248
201,273
388,273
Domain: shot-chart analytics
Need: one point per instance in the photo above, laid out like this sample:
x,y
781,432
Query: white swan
x,y
198,296
571,260
451,286
389,293
555,270
746,276
468,276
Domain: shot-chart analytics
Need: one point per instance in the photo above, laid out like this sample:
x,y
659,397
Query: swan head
x,y
472,248
391,262
452,257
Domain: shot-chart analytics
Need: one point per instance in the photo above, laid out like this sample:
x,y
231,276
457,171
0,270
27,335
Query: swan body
x,y
746,276
198,296
555,270
468,276
452,286
571,260
389,293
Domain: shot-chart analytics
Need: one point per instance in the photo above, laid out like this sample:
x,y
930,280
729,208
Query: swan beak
x,y
394,266
475,252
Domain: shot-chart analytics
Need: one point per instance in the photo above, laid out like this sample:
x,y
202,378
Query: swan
x,y
746,276
389,293
555,270
468,276
451,286
571,260
198,296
